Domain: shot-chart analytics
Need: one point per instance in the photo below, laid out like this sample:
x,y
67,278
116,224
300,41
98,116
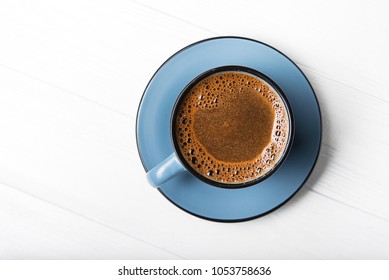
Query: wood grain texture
x,y
71,77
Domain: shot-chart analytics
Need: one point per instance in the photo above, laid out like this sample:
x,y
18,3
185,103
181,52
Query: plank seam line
x,y
350,206
92,220
64,90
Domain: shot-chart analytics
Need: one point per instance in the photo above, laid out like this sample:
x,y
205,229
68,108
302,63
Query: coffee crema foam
x,y
232,127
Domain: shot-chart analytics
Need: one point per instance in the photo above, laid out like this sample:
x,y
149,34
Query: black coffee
x,y
232,127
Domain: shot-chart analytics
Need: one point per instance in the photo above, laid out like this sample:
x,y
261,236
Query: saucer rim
x,y
320,129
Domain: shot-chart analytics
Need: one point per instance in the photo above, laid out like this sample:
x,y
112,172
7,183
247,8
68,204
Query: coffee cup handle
x,y
164,171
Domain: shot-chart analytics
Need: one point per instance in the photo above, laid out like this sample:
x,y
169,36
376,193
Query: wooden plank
x,y
35,229
104,52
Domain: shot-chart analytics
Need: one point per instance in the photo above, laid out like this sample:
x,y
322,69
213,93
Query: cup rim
x,y
190,85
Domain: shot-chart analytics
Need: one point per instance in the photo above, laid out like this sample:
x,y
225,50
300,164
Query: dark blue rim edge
x,y
302,184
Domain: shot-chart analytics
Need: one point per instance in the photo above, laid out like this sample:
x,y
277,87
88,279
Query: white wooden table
x,y
71,76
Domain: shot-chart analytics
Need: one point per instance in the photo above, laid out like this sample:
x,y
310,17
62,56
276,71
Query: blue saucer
x,y
195,196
